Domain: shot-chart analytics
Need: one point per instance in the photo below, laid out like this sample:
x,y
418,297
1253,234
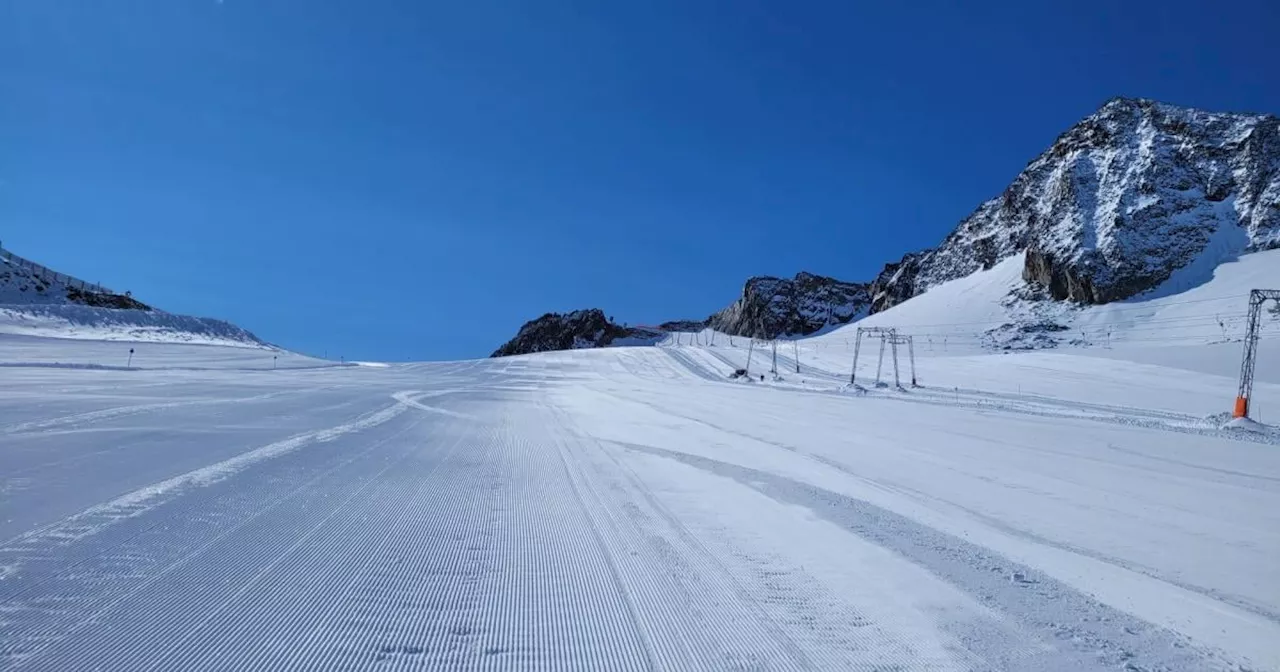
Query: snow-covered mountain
x,y
1117,204
1139,195
38,301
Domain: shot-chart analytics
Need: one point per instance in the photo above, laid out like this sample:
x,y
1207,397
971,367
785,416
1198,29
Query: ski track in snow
x,y
583,511
118,411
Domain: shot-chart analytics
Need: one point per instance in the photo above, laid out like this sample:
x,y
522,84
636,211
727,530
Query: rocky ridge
x,y
569,331
770,307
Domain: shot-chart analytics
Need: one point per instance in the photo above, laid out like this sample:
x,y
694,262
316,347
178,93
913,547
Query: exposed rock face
x,y
105,300
896,283
1120,201
682,325
1062,281
578,329
771,307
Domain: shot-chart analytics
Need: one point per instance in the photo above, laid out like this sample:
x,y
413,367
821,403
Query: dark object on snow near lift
x,y
738,373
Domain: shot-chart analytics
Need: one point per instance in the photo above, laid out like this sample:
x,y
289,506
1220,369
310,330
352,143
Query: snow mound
x,y
1247,425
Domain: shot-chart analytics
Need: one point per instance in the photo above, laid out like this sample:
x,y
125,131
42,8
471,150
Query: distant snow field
x,y
177,506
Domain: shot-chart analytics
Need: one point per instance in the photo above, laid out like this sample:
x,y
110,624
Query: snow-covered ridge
x,y
25,282
38,301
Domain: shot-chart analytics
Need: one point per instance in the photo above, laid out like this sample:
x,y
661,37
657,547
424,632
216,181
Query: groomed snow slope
x,y
625,508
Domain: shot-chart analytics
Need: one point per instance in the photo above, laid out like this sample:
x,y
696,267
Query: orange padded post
x,y
1242,407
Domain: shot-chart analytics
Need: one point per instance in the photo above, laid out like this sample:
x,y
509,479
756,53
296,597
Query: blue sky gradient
x,y
403,179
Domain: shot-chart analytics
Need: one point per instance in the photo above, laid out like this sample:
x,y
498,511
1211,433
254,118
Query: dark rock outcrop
x,y
1062,281
105,300
770,307
578,329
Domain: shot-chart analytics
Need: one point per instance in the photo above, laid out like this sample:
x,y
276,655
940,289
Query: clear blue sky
x,y
407,179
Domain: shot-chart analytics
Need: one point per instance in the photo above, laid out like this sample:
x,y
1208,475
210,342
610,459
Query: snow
x,y
634,341
1206,303
1246,425
110,324
30,351
1078,508
630,508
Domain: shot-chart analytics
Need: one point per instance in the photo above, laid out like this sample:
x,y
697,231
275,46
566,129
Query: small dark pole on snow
x,y
273,362
796,347
130,358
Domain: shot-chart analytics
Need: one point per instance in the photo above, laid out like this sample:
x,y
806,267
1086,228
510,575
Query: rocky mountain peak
x,y
588,328
771,306
1119,202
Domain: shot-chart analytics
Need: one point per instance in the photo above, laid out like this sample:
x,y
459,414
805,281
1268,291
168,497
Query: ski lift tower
x,y
1244,396
888,336
900,339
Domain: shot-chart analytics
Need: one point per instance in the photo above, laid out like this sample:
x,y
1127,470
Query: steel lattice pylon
x,y
1245,394
888,336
